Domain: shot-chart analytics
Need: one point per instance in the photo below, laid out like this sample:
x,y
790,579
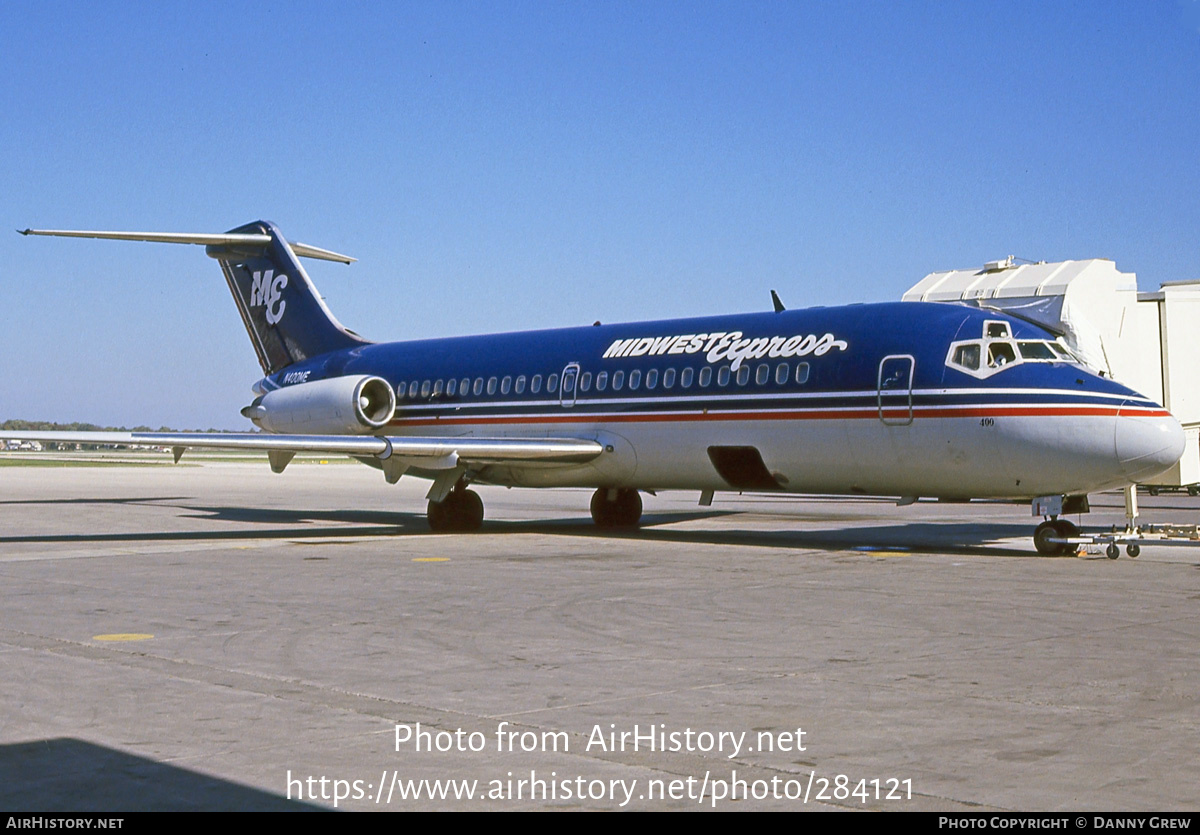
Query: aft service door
x,y
895,390
570,383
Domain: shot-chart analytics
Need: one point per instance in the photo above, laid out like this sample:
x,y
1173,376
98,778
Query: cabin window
x,y
437,388
412,389
519,388
478,389
602,381
618,380
585,381
669,378
781,373
652,378
723,376
535,385
685,378
635,379
426,389
400,390
762,374
552,383
743,375
464,387
802,373
491,388
506,385
706,376
450,386
568,383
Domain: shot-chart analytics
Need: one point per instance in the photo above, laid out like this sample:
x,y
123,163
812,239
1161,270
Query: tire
x,y
1112,552
1066,530
601,509
469,509
1041,538
461,511
624,512
629,511
437,514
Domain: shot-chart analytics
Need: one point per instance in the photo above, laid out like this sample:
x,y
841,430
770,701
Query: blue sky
x,y
509,166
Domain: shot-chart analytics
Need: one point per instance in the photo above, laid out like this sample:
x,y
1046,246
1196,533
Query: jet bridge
x,y
1144,340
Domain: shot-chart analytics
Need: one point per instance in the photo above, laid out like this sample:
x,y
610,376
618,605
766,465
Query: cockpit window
x,y
967,356
1001,353
1036,350
997,350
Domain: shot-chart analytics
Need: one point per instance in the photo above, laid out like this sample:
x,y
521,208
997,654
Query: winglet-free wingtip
x,y
24,231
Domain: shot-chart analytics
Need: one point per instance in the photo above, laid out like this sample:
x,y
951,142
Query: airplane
x,y
906,399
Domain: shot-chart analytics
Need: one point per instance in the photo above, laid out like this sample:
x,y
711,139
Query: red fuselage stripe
x,y
813,414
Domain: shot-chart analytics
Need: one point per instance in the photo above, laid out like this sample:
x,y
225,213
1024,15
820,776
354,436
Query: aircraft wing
x,y
449,456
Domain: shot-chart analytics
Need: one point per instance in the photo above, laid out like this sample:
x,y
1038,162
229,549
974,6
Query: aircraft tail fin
x,y
284,315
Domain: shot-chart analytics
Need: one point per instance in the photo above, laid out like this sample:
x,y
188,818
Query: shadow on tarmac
x,y
70,775
944,538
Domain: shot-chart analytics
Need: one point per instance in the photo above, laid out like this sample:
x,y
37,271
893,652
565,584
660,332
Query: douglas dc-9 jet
x,y
902,399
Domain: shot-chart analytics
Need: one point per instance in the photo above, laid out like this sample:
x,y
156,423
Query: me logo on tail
x,y
268,291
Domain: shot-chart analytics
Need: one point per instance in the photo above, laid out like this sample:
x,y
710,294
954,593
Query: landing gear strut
x,y
461,510
616,508
1054,529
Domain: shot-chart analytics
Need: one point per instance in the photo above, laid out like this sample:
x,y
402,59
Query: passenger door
x,y
894,389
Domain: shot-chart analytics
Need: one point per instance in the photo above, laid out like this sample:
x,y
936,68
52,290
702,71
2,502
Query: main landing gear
x,y
1054,529
460,511
616,508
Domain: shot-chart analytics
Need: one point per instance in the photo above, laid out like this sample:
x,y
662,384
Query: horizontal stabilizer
x,y
199,238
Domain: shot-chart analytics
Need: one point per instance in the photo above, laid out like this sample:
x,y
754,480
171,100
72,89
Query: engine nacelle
x,y
339,406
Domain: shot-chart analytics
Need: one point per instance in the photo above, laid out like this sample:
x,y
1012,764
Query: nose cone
x,y
1147,444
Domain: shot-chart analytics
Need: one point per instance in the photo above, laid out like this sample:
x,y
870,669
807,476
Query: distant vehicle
x,y
903,399
1155,489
